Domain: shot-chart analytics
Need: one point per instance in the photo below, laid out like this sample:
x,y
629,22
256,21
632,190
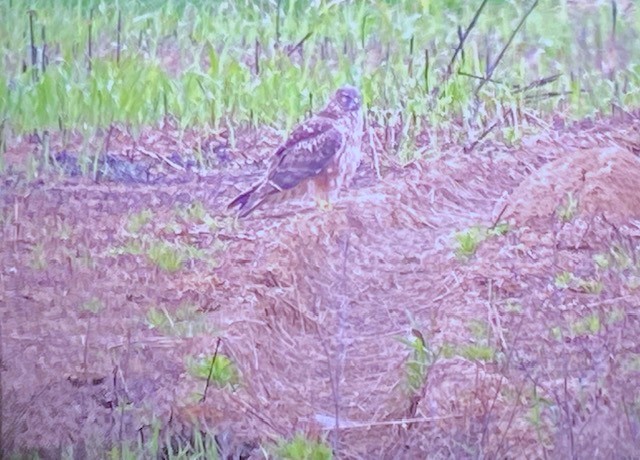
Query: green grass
x,y
419,362
38,257
93,305
466,242
220,369
377,45
568,209
186,321
166,256
302,448
138,220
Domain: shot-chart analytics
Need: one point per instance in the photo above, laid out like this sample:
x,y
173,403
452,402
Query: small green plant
x,y
601,261
556,333
197,213
186,321
467,241
589,286
566,280
511,135
38,257
418,363
93,305
478,352
133,247
621,259
199,445
63,229
165,256
219,369
588,325
538,404
633,282
138,220
479,329
632,363
615,316
499,230
563,279
448,350
512,306
568,209
302,448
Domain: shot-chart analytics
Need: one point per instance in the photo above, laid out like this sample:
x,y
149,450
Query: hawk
x,y
319,157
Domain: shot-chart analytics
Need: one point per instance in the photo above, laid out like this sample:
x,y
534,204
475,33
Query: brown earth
x,y
313,306
601,180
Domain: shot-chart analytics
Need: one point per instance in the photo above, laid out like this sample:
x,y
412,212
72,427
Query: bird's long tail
x,y
251,199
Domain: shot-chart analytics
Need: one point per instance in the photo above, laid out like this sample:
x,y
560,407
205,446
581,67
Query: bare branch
x,y
463,38
506,46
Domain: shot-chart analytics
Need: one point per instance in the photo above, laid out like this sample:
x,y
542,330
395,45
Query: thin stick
x,y
478,77
1,392
213,361
506,46
410,66
538,83
356,425
34,53
278,22
614,19
460,40
89,41
85,353
300,43
341,352
482,136
257,57
44,50
426,70
123,370
119,43
464,37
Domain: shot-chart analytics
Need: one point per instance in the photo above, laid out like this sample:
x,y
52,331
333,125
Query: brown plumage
x,y
320,156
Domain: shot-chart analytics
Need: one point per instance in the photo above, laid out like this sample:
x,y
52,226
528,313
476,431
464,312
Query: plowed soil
x,y
535,333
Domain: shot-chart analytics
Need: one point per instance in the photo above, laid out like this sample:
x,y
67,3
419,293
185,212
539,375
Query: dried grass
x,y
311,305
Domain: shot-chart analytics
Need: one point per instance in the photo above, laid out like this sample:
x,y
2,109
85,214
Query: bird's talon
x,y
325,205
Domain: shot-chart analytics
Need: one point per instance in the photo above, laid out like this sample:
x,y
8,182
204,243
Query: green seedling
x,y
186,321
137,221
219,369
563,279
166,256
418,363
568,209
588,325
38,257
467,241
478,352
302,448
93,305
602,261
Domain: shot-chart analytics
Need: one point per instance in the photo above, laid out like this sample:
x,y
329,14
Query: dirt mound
x,y
589,182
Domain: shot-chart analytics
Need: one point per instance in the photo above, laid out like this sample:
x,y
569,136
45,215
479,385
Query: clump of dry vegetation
x,y
474,294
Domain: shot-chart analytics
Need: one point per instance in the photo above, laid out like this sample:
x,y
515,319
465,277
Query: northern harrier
x,y
320,156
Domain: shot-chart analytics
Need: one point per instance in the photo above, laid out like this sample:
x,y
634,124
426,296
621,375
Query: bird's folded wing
x,y
306,153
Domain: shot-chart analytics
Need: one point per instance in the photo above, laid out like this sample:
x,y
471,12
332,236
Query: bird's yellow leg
x,y
324,204
322,194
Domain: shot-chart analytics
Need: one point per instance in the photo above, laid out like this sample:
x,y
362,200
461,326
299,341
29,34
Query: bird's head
x,y
348,98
